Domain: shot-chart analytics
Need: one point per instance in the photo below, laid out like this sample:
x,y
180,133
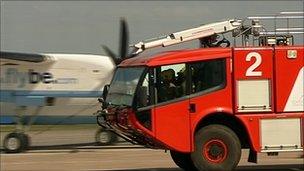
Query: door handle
x,y
192,107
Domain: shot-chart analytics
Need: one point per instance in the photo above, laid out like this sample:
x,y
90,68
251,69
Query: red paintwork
x,y
240,66
252,124
219,101
215,159
136,125
172,124
286,73
302,133
181,56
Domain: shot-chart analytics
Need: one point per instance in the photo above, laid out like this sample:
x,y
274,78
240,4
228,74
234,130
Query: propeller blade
x,y
111,54
124,38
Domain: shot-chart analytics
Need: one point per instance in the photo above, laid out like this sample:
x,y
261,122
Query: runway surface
x,y
127,158
73,149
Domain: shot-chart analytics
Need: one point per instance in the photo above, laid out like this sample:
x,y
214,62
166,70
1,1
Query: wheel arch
x,y
229,120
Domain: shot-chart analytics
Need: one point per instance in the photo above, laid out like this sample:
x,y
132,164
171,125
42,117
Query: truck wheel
x,y
182,160
15,142
105,137
217,147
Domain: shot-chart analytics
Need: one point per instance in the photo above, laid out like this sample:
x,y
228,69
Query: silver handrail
x,y
275,17
291,12
285,24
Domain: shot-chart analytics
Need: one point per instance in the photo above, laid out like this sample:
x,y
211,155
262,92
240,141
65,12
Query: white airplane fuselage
x,y
65,87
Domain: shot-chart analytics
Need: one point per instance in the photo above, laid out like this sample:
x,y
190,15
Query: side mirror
x,y
142,97
102,100
105,91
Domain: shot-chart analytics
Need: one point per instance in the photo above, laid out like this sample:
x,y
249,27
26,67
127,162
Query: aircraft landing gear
x,y
105,137
16,142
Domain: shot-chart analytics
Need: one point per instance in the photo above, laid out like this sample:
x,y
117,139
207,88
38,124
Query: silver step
x,y
282,150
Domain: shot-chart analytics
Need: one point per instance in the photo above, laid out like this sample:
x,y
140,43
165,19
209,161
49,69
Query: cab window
x,y
207,75
171,82
144,92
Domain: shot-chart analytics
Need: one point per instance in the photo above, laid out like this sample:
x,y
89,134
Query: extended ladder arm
x,y
190,34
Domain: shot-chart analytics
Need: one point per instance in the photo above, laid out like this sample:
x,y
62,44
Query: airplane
x,y
55,88
51,89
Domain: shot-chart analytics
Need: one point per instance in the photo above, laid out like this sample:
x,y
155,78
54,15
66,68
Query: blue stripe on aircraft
x,y
6,120
37,98
51,120
8,94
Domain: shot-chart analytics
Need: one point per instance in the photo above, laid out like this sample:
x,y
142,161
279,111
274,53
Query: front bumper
x,y
119,121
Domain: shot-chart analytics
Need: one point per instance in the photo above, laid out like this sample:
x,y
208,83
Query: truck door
x,y
171,113
253,73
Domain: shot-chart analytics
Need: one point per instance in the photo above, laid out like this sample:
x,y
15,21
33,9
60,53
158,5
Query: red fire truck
x,y
206,104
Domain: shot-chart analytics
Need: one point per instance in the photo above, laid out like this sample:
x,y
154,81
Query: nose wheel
x,y
105,137
16,142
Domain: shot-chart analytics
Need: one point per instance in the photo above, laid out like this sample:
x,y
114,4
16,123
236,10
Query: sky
x,y
83,26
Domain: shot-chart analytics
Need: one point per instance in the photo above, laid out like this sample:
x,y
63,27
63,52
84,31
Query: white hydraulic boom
x,y
238,29
190,34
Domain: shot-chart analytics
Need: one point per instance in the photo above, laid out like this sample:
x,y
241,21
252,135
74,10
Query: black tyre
x,y
182,160
15,142
105,137
217,147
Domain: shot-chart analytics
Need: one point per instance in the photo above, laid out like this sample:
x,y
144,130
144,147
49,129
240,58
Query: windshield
x,y
123,86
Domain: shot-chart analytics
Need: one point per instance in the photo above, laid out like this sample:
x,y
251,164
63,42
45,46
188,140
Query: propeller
x,y
124,41
124,38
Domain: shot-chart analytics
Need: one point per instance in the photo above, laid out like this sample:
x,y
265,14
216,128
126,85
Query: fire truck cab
x,y
207,104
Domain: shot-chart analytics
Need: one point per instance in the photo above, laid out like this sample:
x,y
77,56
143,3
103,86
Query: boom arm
x,y
190,34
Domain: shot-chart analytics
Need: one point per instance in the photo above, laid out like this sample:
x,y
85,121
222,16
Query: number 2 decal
x,y
258,60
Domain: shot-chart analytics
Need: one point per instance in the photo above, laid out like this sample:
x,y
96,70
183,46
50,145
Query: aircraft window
x,y
207,74
171,82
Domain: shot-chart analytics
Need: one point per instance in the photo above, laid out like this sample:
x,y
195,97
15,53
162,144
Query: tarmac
x,y
127,158
75,150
